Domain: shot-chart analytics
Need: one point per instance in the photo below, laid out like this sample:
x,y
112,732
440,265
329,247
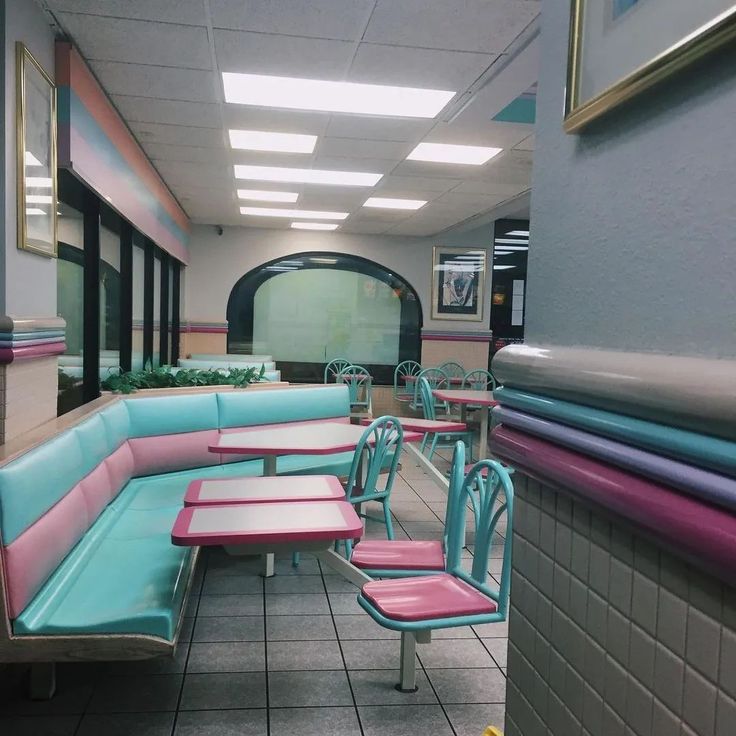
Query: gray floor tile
x,y
222,723
379,654
404,720
233,584
187,626
362,626
469,686
230,605
232,656
498,648
222,564
304,655
229,628
293,628
136,694
414,512
71,697
456,632
306,567
376,687
39,725
291,605
125,724
220,691
294,584
342,603
491,631
158,666
315,721
471,720
338,584
454,653
294,689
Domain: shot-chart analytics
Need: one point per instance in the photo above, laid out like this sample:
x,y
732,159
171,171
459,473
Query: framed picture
x,y
458,276
36,153
619,48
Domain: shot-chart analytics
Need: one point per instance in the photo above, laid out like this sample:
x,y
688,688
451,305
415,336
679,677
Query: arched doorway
x,y
309,308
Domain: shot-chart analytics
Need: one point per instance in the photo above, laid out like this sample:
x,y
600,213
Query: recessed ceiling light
x,y
519,232
307,214
514,247
261,140
314,225
315,259
502,268
35,211
261,195
282,268
307,176
446,153
40,182
30,160
512,241
395,204
38,199
296,93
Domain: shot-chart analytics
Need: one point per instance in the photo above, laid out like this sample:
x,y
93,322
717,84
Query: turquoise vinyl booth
x,y
88,570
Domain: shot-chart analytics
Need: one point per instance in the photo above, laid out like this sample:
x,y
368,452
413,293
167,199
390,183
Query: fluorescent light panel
x,y
511,241
395,204
512,247
30,160
448,153
40,182
306,214
39,199
502,268
314,225
323,260
307,176
262,140
295,93
525,233
261,195
36,211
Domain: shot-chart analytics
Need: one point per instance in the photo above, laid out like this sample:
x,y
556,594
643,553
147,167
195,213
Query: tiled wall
x,y
610,635
28,391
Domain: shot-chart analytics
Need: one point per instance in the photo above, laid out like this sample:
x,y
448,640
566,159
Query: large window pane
x,y
139,269
109,302
156,358
170,312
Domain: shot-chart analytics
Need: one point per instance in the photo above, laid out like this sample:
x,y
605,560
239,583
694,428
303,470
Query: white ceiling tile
x,y
481,132
164,83
141,42
193,154
336,19
492,187
371,165
357,148
332,198
487,26
179,11
365,228
417,183
378,128
291,56
245,117
148,110
418,228
527,144
197,174
180,135
409,67
435,170
464,201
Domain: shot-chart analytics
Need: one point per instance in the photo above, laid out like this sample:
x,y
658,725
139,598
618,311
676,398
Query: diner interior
x,y
472,473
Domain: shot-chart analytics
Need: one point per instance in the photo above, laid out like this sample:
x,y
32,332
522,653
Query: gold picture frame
x,y
458,283
36,155
694,45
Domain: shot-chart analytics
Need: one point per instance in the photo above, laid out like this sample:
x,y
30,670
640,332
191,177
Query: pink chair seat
x,y
433,596
398,554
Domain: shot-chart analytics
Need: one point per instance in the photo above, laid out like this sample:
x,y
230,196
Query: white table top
x,y
223,491
318,438
463,396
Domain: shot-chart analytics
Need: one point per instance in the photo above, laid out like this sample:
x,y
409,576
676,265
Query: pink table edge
x,y
191,497
427,426
181,537
465,397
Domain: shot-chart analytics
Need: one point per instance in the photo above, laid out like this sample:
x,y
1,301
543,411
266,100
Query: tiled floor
x,y
293,655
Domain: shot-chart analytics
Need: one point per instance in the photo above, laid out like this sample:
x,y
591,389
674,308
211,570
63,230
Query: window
x,y
139,277
309,308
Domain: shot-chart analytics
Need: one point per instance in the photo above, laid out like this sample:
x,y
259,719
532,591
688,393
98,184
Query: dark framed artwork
x,y
458,278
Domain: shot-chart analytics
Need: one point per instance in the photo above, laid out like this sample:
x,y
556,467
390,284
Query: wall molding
x,y
457,335
23,338
204,327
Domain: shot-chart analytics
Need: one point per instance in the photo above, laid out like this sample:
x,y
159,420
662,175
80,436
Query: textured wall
x,y
610,636
633,224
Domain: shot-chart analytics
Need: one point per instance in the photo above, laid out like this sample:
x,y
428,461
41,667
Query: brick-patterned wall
x,y
28,392
610,635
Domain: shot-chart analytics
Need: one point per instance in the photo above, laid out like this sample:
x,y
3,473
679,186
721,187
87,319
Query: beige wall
x,y
470,354
202,342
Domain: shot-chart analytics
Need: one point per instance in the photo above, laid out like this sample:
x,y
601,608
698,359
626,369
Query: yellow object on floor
x,y
492,731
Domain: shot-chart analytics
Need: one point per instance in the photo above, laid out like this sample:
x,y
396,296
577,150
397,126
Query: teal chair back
x,y
404,391
358,380
456,478
491,499
479,380
453,369
381,443
436,378
426,398
333,368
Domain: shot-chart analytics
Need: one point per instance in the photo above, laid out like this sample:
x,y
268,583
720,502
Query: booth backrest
x,y
52,494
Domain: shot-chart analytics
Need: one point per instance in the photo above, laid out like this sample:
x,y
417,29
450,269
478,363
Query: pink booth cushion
x,y
398,554
169,452
424,598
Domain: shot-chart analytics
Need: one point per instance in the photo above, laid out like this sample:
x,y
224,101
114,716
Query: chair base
x,y
400,689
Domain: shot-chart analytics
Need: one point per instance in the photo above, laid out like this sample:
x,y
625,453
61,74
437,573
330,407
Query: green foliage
x,y
164,377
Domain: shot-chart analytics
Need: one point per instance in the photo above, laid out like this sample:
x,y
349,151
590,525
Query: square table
x,y
466,398
271,528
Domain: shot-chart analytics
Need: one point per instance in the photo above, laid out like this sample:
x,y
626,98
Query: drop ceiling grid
x,y
164,78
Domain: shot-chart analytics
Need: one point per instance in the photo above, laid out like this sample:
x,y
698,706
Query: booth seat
x,y
86,517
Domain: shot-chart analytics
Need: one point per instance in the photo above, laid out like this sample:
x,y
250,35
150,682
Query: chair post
x,y
408,665
42,682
